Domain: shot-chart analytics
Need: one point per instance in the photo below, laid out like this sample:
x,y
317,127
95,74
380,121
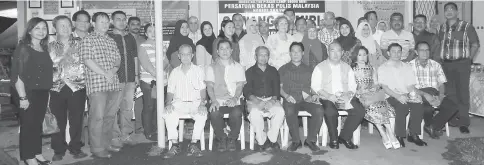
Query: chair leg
x,y
370,127
356,135
321,130
202,141
251,137
286,134
305,126
447,130
324,135
242,135
181,127
210,138
339,125
422,130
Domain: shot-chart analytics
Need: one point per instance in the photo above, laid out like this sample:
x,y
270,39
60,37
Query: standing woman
x,y
179,38
147,58
32,75
249,43
279,43
227,32
348,42
205,45
68,94
364,34
381,27
315,51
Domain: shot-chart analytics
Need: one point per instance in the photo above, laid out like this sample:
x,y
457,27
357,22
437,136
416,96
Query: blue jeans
x,y
102,115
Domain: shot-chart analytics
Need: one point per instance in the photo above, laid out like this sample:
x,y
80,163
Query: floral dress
x,y
372,96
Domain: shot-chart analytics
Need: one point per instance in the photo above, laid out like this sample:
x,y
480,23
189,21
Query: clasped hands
x,y
232,102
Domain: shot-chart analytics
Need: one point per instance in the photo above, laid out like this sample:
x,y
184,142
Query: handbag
x,y
49,126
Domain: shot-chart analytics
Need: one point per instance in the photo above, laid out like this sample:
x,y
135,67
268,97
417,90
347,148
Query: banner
x,y
269,10
172,12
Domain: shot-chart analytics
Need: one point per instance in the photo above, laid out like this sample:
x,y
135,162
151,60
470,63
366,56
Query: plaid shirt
x,y
101,49
72,72
430,75
326,38
456,40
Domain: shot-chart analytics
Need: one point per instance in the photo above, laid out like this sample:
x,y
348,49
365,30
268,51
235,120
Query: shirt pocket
x,y
458,35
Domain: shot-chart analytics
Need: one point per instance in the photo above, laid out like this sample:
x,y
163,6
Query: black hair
x,y
27,38
361,19
134,19
420,16
394,45
117,12
396,14
300,44
289,9
60,17
354,64
223,41
420,43
452,4
262,47
146,29
233,16
222,33
301,18
367,15
99,14
74,17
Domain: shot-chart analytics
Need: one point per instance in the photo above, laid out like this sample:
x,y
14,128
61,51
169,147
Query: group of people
x,y
371,73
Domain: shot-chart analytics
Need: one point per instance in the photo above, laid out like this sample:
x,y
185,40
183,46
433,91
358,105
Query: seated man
x,y
430,80
225,80
398,81
296,90
186,96
262,90
334,81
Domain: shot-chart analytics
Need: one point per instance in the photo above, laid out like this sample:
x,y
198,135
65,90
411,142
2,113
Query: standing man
x,y
301,25
263,91
68,95
239,25
430,80
291,16
334,81
195,34
264,30
398,35
398,81
128,77
421,34
225,80
296,91
459,46
372,19
82,23
102,59
328,33
186,96
134,28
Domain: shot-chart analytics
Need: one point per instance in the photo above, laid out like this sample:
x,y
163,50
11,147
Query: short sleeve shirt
x,y
186,86
405,39
430,75
101,49
397,78
233,74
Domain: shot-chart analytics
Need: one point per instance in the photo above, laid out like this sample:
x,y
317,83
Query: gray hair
x,y
262,47
185,46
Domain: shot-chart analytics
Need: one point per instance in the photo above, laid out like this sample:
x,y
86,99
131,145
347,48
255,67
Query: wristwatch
x,y
23,98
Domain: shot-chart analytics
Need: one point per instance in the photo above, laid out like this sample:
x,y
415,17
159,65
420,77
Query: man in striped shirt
x,y
186,97
459,46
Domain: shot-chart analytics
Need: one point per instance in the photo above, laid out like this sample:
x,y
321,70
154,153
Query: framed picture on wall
x,y
51,27
67,3
35,4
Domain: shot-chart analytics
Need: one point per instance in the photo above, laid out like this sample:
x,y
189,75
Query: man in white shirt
x,y
195,34
186,95
397,34
334,81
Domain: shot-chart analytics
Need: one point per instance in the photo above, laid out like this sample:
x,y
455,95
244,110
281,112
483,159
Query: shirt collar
x,y
454,25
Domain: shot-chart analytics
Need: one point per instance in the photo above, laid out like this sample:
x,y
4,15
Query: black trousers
x,y
30,142
448,108
355,116
401,112
68,105
235,121
314,122
457,89
148,114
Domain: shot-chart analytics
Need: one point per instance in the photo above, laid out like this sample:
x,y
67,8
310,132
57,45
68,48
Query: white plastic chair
x,y
241,134
356,133
252,132
181,127
304,115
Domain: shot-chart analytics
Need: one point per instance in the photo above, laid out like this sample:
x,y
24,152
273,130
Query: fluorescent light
x,y
11,13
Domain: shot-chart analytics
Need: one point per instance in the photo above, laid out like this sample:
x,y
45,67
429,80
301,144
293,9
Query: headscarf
x,y
378,24
206,41
178,40
249,43
347,42
314,47
251,37
368,42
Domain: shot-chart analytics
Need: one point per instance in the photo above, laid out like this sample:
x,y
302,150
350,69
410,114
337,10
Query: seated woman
x,y
371,95
348,41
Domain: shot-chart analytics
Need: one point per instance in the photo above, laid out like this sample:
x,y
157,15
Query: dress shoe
x,y
113,149
267,145
57,157
102,154
432,132
311,145
334,145
464,130
231,144
415,139
78,154
294,146
222,145
349,144
401,141
45,162
275,146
